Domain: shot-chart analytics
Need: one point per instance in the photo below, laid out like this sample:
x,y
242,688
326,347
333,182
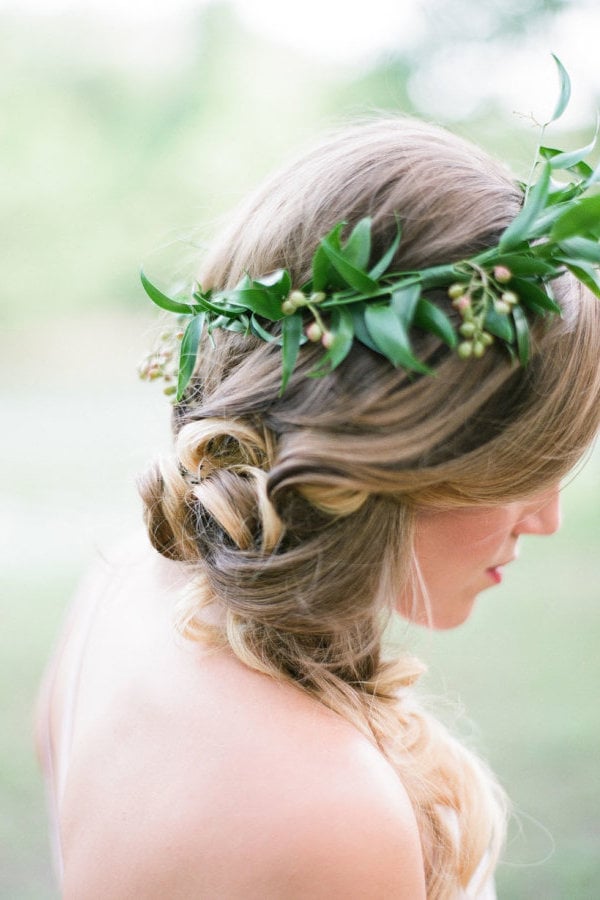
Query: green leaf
x,y
546,219
292,336
526,265
562,193
499,324
219,306
535,297
519,228
581,218
261,332
348,297
354,277
259,300
320,270
565,91
189,353
244,283
357,249
579,168
386,260
585,273
592,178
240,326
579,248
404,303
278,283
439,276
323,273
569,160
431,318
389,335
186,309
360,329
522,332
342,328
218,322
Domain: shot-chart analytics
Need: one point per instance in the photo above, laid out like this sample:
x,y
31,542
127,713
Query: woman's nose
x,y
542,514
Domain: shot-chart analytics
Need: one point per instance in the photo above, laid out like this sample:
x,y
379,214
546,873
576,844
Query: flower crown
x,y
496,292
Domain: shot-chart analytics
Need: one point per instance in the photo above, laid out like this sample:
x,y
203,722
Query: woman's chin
x,y
439,618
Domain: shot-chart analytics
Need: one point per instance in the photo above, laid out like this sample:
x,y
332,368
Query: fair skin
x,y
461,552
191,776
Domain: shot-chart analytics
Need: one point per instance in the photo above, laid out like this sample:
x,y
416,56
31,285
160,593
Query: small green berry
x,y
169,391
501,306
317,296
465,349
297,298
478,349
486,338
467,329
456,290
510,297
288,307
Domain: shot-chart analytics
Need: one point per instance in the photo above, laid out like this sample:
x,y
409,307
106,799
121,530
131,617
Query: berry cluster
x,y
316,330
162,361
473,301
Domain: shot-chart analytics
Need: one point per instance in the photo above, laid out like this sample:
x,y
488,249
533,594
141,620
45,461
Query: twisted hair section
x,y
295,514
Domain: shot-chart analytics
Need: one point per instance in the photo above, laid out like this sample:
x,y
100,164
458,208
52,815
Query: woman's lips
x,y
495,574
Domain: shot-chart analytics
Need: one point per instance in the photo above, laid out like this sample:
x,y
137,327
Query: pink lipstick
x,y
495,574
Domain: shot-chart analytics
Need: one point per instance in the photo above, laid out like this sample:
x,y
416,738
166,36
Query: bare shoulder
x,y
299,804
199,778
350,830
340,825
325,815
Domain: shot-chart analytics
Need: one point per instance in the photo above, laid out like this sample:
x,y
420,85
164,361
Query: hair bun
x,y
225,463
215,443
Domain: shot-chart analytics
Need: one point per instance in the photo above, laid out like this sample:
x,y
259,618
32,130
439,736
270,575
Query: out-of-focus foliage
x,y
104,157
452,20
116,140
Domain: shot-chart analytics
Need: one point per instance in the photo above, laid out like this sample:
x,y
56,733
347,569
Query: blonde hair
x,y
296,513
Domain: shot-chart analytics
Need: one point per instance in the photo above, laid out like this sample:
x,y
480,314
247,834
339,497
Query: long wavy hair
x,y
295,514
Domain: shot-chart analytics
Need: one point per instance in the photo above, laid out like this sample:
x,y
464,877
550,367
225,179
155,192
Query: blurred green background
x,y
125,134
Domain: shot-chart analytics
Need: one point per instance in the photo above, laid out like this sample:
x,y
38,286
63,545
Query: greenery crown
x,y
495,293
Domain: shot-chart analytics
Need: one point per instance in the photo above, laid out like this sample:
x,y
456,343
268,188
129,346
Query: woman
x,y
267,747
